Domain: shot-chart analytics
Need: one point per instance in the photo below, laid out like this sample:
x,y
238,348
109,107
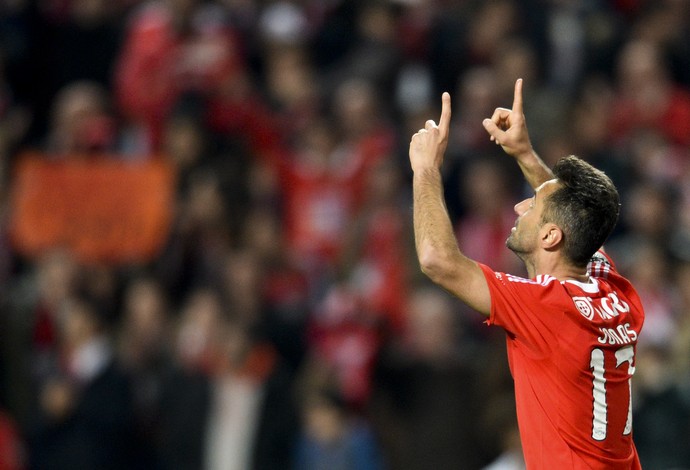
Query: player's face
x,y
523,237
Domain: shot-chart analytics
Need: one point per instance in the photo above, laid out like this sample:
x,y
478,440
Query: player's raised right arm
x,y
508,128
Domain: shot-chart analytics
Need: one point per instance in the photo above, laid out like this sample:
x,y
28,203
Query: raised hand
x,y
428,145
507,127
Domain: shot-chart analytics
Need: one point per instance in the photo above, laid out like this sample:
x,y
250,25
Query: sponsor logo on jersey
x,y
606,307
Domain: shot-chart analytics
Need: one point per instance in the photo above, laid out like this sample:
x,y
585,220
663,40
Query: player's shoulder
x,y
543,288
511,281
543,280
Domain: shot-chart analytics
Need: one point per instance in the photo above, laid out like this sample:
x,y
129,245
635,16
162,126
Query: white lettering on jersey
x,y
606,307
617,306
622,334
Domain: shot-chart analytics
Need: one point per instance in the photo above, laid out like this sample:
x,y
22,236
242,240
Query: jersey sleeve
x,y
527,309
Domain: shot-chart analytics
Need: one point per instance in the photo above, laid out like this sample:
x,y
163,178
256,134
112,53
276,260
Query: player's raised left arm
x,y
437,249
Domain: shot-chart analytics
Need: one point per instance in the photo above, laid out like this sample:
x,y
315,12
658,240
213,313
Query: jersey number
x,y
623,355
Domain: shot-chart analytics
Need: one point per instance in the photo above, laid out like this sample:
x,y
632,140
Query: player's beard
x,y
517,243
513,244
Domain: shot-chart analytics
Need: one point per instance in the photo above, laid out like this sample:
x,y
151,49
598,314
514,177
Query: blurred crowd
x,y
284,322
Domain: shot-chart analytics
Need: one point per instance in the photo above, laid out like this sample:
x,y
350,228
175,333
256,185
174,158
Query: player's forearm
x,y
434,238
437,248
534,169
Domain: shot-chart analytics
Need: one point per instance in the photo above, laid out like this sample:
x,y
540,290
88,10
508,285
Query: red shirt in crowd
x,y
159,62
323,193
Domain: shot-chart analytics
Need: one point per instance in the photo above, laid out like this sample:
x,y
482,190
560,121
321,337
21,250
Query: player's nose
x,y
519,208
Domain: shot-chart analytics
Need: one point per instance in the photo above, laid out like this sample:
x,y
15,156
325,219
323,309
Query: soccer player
x,y
573,326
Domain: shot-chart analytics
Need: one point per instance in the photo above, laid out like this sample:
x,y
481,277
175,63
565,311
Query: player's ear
x,y
550,236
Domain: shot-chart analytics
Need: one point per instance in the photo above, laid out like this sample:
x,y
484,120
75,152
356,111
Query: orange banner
x,y
105,211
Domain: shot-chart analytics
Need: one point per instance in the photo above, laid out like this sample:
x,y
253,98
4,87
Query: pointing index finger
x,y
517,97
444,121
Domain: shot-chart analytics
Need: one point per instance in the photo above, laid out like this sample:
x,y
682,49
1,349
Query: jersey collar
x,y
591,286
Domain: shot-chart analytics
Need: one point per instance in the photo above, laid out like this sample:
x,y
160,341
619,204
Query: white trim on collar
x,y
591,287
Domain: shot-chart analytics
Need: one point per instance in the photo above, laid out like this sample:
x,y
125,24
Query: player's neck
x,y
579,275
557,267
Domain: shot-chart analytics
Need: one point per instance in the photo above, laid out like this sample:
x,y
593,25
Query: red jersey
x,y
571,350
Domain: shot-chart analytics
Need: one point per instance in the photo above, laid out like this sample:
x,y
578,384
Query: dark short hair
x,y
585,207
